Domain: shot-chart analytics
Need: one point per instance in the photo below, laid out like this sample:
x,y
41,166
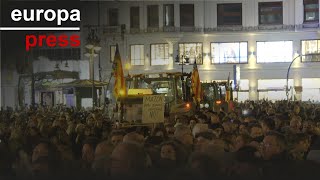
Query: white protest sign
x,y
153,109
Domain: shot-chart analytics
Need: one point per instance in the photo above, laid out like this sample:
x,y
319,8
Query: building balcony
x,y
117,30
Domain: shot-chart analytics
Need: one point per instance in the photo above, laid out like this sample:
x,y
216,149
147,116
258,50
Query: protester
x,y
261,139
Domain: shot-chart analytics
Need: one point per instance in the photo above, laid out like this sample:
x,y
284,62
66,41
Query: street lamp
x,y
93,46
185,61
287,87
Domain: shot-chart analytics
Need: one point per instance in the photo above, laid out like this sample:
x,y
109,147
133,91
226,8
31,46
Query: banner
x,y
153,109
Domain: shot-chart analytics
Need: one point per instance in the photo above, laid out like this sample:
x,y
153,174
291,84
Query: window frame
x,y
223,15
304,12
260,4
148,16
164,14
191,43
143,55
193,20
273,62
151,54
230,42
304,55
131,17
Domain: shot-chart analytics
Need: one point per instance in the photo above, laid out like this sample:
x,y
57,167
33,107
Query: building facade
x,y
261,37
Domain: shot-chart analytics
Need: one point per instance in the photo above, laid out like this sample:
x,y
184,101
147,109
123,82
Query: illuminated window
x,y
310,50
134,17
137,55
236,52
159,54
153,16
168,12
186,15
311,89
193,51
230,14
311,10
274,51
273,89
113,17
270,13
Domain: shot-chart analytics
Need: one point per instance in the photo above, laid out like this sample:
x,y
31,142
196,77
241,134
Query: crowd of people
x,y
260,139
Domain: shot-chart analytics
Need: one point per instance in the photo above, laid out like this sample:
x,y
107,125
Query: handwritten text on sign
x,y
153,109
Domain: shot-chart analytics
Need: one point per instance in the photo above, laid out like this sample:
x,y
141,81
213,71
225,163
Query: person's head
x,y
214,118
273,144
116,137
33,131
102,156
127,159
267,125
168,151
80,129
90,121
44,156
249,119
41,150
218,132
238,110
199,128
71,128
255,130
243,128
103,149
170,130
99,124
160,131
202,118
88,131
134,137
295,123
192,123
301,142
271,111
227,126
214,146
184,135
296,109
308,126
241,141
219,144
202,139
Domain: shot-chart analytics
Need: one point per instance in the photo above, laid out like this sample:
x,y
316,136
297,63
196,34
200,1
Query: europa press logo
x,y
42,21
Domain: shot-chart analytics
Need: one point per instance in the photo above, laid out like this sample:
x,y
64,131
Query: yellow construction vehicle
x,y
217,95
170,85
